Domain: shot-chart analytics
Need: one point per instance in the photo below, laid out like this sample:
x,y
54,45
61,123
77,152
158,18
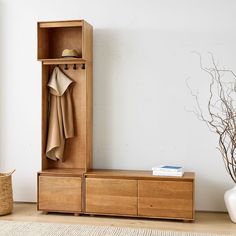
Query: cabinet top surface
x,y
140,174
56,21
66,23
119,174
63,171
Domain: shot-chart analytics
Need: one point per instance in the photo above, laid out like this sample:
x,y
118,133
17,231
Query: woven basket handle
x,y
10,173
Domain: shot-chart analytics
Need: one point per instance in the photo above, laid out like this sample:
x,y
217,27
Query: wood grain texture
x,y
75,154
64,38
135,174
61,194
54,37
43,43
60,184
111,196
58,61
194,187
88,55
75,149
63,172
59,24
44,114
89,116
87,37
169,199
58,36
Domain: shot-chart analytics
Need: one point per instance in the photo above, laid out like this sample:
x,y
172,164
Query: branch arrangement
x,y
221,109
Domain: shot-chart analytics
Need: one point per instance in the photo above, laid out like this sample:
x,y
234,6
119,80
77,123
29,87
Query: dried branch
x,y
221,112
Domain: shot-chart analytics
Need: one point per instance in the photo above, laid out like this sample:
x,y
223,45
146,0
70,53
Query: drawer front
x,y
167,199
111,196
59,193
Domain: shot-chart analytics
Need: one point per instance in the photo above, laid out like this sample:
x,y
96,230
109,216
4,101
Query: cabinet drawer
x,y
59,193
168,199
111,196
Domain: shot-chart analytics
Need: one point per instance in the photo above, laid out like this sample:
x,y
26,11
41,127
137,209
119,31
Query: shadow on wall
x,y
215,193
103,67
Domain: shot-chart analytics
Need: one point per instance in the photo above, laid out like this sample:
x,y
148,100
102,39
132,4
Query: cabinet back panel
x,y
75,148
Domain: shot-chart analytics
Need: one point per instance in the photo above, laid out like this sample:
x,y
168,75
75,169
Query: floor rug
x,y
18,228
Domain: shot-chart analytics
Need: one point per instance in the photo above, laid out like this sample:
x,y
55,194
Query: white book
x,y
165,173
168,168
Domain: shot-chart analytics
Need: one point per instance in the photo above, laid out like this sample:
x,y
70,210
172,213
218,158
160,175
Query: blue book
x,y
168,168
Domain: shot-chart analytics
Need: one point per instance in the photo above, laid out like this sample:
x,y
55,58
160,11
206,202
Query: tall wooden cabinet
x,y
73,186
60,183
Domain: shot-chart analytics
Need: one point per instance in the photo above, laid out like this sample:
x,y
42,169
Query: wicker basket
x,y
6,199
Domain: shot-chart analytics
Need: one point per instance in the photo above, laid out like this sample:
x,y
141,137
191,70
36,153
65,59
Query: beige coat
x,y
60,124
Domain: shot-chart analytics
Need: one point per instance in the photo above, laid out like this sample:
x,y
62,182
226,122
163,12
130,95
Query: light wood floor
x,y
205,221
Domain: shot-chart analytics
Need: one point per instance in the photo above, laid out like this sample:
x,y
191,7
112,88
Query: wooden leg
x,y
44,212
76,214
187,221
92,215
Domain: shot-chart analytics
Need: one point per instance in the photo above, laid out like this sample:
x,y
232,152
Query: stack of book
x,y
166,170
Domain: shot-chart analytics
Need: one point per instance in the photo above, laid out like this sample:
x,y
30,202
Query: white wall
x,y
142,57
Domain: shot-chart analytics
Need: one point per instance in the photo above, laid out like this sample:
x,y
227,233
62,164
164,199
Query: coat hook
x,y
83,66
74,67
66,67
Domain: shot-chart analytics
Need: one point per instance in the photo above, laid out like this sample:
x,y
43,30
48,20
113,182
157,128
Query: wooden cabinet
x,y
70,185
59,193
140,194
111,196
53,38
60,182
165,198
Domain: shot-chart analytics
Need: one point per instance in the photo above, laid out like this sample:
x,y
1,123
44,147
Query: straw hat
x,y
70,53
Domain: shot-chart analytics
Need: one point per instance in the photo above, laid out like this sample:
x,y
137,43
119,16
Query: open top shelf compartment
x,y
54,37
